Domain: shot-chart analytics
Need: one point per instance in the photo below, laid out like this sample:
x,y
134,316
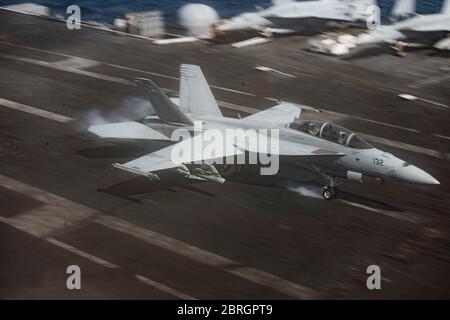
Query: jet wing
x,y
281,114
193,157
126,130
177,156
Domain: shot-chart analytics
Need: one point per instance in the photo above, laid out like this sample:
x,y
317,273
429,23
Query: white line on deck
x,y
430,81
35,111
83,254
405,216
61,67
78,63
164,288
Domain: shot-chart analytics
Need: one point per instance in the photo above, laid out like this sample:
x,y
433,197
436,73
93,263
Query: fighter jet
x,y
300,16
430,30
304,149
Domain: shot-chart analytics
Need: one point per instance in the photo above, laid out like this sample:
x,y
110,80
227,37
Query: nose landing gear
x,y
399,48
329,192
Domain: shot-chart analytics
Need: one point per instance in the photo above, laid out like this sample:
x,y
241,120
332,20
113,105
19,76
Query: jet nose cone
x,y
416,175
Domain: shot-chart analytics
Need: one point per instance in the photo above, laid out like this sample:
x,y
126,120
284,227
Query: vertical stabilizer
x,y
195,94
446,7
403,8
166,109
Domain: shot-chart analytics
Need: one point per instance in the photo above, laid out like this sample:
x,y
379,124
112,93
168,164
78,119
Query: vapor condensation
x,y
305,189
129,109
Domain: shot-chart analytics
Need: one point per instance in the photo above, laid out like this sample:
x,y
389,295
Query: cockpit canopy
x,y
331,132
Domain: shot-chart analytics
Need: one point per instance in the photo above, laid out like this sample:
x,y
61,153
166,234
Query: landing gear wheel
x,y
329,193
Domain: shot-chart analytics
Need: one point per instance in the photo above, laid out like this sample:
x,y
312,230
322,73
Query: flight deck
x,y
62,203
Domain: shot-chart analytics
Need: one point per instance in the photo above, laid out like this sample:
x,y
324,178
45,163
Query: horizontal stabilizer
x,y
126,130
165,108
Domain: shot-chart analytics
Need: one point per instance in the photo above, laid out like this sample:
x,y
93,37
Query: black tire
x,y
327,193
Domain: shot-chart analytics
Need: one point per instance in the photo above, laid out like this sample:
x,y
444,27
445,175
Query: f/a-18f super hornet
x,y
431,30
310,17
306,150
